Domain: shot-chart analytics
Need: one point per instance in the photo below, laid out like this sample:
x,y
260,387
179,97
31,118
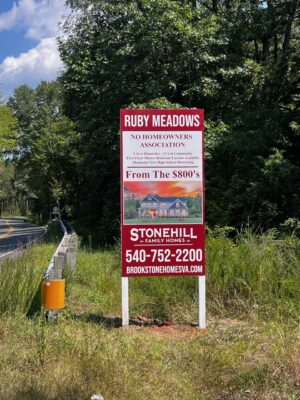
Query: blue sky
x,y
28,48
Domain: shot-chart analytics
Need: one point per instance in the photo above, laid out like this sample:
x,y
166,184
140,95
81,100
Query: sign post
x,y
125,302
202,302
162,197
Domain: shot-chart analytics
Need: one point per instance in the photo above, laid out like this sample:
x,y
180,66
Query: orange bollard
x,y
53,294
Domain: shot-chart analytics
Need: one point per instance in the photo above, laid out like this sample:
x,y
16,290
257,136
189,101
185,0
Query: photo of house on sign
x,y
162,202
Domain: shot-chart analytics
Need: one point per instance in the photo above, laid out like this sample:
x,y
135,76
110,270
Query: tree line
x,y
237,59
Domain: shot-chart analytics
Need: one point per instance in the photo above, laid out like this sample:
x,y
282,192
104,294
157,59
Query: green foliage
x,y
252,122
120,55
237,60
45,157
6,178
160,103
10,202
8,129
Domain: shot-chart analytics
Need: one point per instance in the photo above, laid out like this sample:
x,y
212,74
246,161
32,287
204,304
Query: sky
x,y
28,47
166,188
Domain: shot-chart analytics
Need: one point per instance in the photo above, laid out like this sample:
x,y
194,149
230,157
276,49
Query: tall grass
x,y
258,270
20,279
254,271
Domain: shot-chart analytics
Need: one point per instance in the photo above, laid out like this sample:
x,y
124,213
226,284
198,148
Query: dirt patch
x,y
177,332
167,329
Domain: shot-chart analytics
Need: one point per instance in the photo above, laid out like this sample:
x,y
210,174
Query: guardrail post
x,y
71,258
58,266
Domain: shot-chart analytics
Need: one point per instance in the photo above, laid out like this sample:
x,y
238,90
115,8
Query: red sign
x,y
162,192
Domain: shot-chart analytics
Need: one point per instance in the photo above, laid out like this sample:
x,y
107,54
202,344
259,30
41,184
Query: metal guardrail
x,y
53,284
61,244
65,254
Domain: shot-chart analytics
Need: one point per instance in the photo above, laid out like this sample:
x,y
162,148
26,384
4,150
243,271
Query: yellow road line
x,y
10,230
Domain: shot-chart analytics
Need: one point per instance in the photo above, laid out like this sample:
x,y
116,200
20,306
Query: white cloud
x,y
39,18
40,63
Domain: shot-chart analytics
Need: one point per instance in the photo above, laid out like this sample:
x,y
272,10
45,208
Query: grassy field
x,y
251,349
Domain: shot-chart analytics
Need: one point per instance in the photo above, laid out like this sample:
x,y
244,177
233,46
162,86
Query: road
x,y
15,233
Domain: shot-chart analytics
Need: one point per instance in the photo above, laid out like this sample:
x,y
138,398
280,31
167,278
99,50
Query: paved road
x,y
15,233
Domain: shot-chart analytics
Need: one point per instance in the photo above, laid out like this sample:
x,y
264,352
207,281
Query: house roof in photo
x,y
169,200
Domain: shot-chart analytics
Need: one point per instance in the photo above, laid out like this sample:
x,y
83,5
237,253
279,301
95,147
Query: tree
x,y
236,59
252,169
45,157
8,128
123,53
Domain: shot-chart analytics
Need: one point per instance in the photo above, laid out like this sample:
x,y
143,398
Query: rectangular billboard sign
x,y
162,192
